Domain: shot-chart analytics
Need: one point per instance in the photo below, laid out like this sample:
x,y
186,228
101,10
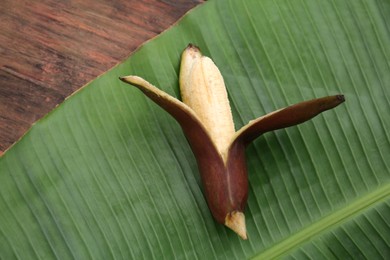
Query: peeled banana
x,y
206,119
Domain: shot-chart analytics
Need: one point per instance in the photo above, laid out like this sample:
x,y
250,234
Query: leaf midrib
x,y
331,221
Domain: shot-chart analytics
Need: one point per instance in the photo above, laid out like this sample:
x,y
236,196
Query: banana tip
x,y
341,98
236,221
193,47
129,79
123,78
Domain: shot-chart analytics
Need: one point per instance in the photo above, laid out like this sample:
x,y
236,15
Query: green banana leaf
x,y
109,175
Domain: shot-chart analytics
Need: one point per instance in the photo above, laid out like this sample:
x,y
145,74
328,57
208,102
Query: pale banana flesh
x,y
203,89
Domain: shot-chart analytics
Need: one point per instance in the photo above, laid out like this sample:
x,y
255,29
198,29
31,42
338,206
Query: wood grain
x,y
49,49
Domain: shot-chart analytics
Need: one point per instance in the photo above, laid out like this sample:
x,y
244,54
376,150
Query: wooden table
x,y
50,48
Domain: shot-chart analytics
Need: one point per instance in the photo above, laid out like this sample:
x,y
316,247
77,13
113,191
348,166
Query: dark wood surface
x,y
51,48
